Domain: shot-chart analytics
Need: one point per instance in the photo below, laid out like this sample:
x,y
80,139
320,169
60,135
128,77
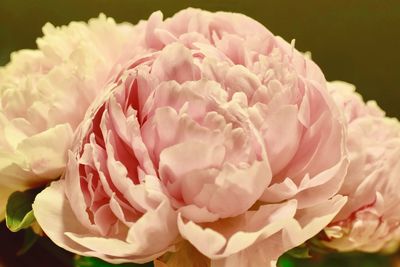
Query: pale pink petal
x,y
43,150
308,225
54,214
252,227
175,63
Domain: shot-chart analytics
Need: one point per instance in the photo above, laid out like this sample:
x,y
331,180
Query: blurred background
x,y
352,40
357,41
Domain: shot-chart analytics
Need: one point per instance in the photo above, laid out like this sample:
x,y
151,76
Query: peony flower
x,y
44,95
220,146
352,103
369,221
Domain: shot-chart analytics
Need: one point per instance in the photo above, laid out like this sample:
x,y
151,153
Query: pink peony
x,y
370,219
220,146
44,95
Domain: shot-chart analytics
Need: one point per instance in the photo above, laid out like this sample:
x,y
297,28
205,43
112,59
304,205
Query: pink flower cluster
x,y
370,220
203,140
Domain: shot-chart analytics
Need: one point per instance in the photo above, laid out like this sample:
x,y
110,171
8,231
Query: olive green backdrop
x,y
355,41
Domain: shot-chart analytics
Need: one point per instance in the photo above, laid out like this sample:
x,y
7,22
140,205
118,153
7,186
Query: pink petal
x,y
175,63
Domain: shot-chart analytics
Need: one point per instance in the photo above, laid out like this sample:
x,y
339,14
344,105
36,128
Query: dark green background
x,y
355,41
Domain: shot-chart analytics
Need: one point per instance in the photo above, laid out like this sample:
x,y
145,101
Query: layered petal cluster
x,y
45,93
370,219
220,141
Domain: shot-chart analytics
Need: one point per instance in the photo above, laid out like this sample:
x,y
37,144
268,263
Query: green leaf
x,y
95,262
30,239
285,261
332,259
300,252
19,214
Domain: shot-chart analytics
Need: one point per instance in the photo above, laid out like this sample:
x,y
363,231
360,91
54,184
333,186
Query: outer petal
x,y
295,231
58,221
225,238
308,223
43,150
54,214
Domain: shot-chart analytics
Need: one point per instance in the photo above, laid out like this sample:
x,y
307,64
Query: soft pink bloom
x,y
370,219
221,139
45,93
351,103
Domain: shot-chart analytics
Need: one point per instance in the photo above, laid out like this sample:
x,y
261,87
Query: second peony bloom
x,y
370,219
219,145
